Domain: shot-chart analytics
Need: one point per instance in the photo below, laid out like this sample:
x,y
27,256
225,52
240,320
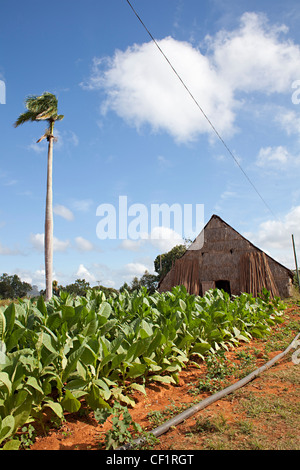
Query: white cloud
x,y
141,88
37,241
164,238
135,269
161,238
274,236
276,158
289,120
36,277
84,273
83,244
255,57
82,205
272,155
63,212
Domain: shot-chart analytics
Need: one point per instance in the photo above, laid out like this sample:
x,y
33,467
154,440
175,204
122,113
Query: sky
x,y
221,134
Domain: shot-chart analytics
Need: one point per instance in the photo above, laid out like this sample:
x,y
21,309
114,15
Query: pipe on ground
x,y
213,398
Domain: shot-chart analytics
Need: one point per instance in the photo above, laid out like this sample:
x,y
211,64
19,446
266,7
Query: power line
x,y
200,108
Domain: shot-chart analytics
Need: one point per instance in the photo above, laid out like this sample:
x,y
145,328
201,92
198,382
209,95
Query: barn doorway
x,y
225,285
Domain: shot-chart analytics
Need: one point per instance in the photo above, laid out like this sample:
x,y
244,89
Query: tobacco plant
x,y
101,350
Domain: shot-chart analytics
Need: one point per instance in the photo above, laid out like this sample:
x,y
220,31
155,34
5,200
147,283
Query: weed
x,y
27,437
245,427
217,424
124,430
158,417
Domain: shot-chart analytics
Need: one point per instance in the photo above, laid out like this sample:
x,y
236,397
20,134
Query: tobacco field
x,y
99,350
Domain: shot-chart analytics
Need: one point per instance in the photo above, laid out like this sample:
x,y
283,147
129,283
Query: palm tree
x,y
44,108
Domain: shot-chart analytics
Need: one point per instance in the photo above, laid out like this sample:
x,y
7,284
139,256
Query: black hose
x,y
208,401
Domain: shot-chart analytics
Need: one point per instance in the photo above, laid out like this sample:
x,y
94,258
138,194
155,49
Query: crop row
x,y
55,354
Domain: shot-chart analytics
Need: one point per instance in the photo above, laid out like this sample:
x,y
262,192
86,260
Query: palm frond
x,y
40,108
25,117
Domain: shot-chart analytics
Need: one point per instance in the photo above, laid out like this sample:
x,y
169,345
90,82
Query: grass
x,y
263,416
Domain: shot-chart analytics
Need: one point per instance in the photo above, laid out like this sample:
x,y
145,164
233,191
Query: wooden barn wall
x,y
219,259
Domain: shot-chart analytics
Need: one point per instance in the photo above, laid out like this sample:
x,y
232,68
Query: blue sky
x,y
131,129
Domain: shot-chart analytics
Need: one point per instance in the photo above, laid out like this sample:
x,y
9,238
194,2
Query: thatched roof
x,y
252,264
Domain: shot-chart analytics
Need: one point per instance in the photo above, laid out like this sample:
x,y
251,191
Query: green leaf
x,y
13,444
163,378
76,384
200,348
136,370
56,407
4,379
32,382
41,305
105,309
139,388
72,361
10,315
107,326
22,413
2,325
70,403
7,427
94,399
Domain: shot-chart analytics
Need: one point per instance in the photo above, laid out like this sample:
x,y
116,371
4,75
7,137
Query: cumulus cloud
x,y
141,88
289,121
84,273
272,155
161,238
63,212
83,244
37,241
135,269
276,158
256,56
274,236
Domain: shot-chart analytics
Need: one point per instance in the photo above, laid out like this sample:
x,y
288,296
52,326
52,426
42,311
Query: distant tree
x,y
106,290
135,284
147,280
150,281
125,286
44,108
164,262
79,287
11,287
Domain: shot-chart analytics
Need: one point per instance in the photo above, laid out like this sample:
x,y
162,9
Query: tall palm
x,y
44,108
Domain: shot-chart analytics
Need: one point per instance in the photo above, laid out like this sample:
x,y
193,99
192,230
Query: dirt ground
x,y
263,415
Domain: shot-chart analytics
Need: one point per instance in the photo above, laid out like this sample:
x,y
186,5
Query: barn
x,y
220,257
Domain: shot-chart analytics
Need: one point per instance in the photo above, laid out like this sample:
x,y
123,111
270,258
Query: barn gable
x,y
221,257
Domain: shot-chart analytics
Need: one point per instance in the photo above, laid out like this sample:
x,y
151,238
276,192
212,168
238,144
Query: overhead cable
x,y
202,111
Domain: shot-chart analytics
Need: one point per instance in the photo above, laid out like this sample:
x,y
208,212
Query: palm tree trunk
x,y
49,219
